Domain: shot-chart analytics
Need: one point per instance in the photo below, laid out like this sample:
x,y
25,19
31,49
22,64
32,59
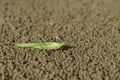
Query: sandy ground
x,y
92,27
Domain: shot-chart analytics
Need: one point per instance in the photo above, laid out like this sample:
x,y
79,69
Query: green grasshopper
x,y
43,45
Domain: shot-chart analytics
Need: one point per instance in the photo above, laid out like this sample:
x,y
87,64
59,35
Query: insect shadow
x,y
66,47
63,48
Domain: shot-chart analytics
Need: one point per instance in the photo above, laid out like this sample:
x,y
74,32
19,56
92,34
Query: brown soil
x,y
92,27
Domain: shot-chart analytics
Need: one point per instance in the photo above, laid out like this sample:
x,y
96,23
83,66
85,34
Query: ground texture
x,y
92,27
